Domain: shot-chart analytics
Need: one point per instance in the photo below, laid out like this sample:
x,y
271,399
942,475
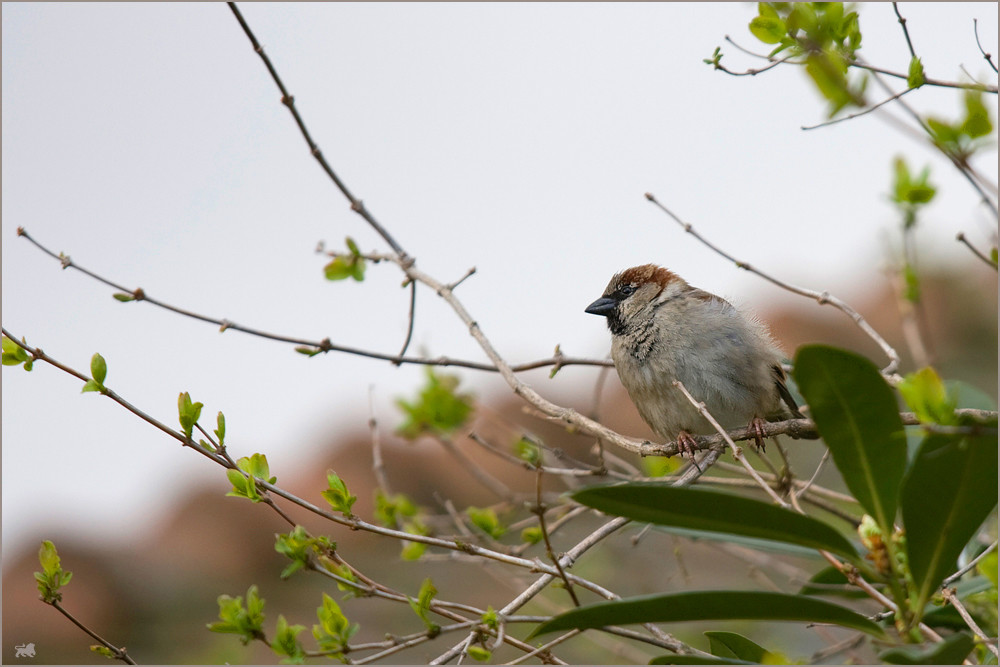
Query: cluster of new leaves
x,y
825,35
439,409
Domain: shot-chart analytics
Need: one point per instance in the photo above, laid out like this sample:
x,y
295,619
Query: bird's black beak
x,y
603,307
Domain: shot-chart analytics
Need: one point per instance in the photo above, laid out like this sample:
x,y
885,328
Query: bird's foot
x,y
757,424
687,445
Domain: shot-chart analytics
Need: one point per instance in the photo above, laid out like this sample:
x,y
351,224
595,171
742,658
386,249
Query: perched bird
x,y
663,329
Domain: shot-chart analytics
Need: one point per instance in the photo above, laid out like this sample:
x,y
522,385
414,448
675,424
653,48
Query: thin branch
x,y
737,452
949,596
821,298
906,33
483,476
289,101
988,57
861,65
828,123
409,327
119,653
324,345
378,464
801,490
959,162
540,512
968,566
351,522
975,251
754,72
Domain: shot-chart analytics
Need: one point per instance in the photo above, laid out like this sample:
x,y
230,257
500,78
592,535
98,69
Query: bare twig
x,y
119,653
802,489
949,596
483,476
906,33
975,251
861,65
968,566
409,326
860,113
139,294
737,452
540,512
821,298
988,57
378,464
289,101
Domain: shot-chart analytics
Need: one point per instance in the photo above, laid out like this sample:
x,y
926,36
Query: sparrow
x,y
663,329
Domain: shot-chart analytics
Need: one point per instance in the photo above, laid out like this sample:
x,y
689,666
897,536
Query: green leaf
x,y
532,535
220,429
856,414
286,642
660,466
977,121
14,354
925,394
714,512
486,520
915,77
337,494
951,651
528,451
708,606
188,412
831,581
124,297
768,26
90,385
98,368
242,487
300,548
352,246
478,653
52,577
988,568
334,630
391,510
732,645
308,351
256,466
100,649
247,621
414,550
422,604
438,408
675,659
949,491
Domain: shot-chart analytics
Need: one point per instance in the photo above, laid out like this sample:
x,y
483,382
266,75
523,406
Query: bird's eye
x,y
626,290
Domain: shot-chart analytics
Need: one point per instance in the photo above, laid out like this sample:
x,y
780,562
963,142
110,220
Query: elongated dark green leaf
x,y
708,606
951,651
831,581
856,414
731,645
714,512
949,491
674,659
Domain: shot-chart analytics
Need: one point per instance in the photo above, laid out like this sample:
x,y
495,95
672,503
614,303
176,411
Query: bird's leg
x,y
757,424
687,445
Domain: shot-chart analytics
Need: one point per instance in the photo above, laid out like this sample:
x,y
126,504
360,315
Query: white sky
x,y
147,141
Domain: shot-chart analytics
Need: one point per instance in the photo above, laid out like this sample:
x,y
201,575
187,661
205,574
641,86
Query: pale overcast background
x,y
147,141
